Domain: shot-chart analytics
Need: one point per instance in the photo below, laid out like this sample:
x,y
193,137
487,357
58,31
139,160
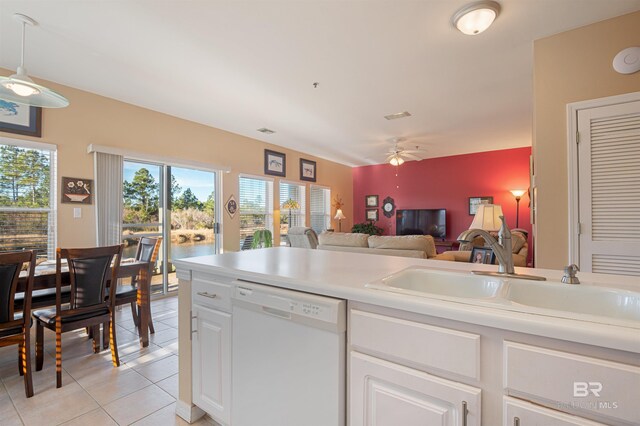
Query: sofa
x,y
520,249
417,246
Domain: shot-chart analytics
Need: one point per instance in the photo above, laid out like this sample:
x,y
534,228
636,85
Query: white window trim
x,y
53,185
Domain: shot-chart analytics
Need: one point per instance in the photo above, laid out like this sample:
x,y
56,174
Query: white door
x,y
521,413
211,356
609,188
386,394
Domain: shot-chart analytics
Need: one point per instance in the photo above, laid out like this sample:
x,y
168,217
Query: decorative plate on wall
x,y
388,206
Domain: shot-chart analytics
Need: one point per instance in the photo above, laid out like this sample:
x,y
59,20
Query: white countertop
x,y
344,275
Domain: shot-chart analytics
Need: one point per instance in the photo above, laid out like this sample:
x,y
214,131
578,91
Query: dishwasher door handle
x,y
276,312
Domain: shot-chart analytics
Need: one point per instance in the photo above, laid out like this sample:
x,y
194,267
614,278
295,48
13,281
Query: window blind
x,y
298,216
27,199
320,208
255,205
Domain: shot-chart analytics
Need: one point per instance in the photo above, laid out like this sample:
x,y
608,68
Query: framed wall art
x,y
20,119
372,214
307,170
77,190
474,202
275,163
231,206
371,200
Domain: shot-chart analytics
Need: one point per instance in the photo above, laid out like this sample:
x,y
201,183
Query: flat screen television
x,y
422,222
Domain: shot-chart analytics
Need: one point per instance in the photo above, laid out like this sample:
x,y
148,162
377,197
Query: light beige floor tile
x,y
159,326
167,417
8,413
108,388
161,336
171,322
170,385
146,355
138,405
159,370
55,406
97,417
171,345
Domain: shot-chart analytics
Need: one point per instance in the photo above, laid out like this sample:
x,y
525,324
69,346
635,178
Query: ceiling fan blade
x,y
413,151
411,156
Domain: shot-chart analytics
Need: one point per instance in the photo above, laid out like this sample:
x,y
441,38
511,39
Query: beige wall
x,y
93,119
570,67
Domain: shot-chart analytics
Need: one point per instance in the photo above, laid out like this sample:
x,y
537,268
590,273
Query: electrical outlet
x,y
77,212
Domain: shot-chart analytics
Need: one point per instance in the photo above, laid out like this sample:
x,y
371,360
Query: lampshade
x,y
21,89
290,204
487,218
339,215
476,17
518,193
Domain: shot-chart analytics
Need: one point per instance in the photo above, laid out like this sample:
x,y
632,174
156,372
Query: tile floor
x,y
142,391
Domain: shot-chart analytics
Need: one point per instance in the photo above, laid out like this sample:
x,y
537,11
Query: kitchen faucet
x,y
502,249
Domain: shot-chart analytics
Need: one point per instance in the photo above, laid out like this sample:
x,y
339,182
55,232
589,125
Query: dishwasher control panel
x,y
285,303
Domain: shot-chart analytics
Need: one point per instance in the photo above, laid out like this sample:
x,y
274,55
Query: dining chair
x,y
15,326
147,251
90,271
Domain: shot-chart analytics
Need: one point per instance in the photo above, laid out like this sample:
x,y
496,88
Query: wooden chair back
x,y
10,267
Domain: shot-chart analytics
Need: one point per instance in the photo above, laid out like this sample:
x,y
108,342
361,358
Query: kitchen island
x,y
449,359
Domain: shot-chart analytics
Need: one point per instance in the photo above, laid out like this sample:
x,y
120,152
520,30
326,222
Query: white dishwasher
x,y
289,351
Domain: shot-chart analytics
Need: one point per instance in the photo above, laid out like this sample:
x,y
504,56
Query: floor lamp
x,y
518,193
339,217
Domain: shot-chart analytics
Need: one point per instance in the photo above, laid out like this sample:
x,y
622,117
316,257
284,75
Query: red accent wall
x,y
448,182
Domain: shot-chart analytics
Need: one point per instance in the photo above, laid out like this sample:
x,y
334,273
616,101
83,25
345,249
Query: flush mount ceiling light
x,y
21,89
476,17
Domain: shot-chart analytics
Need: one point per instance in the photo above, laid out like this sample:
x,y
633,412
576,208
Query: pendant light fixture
x,y
21,89
475,18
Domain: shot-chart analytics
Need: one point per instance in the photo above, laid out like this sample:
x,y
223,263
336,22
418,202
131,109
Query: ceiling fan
x,y
398,154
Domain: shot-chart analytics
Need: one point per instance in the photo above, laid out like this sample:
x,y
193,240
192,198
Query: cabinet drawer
x,y
521,413
210,293
573,383
416,344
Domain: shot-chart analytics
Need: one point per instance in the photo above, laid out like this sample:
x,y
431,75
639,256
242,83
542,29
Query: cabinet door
x,y
387,394
520,413
211,357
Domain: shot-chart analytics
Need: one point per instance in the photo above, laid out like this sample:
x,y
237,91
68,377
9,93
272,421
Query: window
x,y
296,193
27,197
256,205
320,208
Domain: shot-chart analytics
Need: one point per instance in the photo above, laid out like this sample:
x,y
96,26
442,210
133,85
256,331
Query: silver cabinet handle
x,y
465,411
205,294
516,421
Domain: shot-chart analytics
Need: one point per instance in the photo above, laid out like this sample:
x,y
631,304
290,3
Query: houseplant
x,y
262,238
367,228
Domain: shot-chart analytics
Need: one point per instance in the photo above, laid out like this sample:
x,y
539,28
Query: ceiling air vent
x,y
397,115
266,131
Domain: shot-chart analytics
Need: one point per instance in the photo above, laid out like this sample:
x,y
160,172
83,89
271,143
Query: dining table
x,y
45,278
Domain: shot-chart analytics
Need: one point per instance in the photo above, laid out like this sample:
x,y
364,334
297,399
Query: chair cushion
x,y
423,243
48,316
42,298
12,331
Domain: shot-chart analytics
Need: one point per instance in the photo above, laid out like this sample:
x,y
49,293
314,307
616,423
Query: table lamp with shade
x,y
518,193
487,218
290,204
339,216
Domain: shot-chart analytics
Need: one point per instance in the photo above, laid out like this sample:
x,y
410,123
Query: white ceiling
x,y
242,65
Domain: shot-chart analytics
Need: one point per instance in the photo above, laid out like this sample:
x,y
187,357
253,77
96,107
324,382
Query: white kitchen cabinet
x,y
383,393
521,413
211,361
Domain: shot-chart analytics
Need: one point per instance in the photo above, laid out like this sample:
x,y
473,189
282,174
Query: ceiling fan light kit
x,y
475,18
21,89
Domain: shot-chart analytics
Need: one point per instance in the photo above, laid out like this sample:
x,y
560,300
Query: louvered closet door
x,y
609,189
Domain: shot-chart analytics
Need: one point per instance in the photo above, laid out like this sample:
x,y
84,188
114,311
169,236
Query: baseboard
x,y
188,412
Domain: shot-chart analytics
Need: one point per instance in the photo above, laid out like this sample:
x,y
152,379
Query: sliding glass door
x,y
176,203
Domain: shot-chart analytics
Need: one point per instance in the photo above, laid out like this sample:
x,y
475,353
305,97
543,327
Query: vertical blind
x,y
27,199
256,205
296,193
320,208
